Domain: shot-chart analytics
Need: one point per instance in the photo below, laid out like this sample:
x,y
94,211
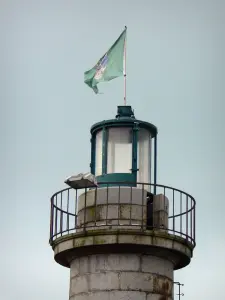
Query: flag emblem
x,y
100,67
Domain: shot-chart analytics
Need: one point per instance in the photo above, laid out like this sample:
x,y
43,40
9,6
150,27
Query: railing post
x,y
155,164
85,206
51,220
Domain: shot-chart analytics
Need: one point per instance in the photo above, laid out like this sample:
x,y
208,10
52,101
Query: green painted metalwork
x,y
124,122
125,111
134,150
93,146
122,178
124,118
104,150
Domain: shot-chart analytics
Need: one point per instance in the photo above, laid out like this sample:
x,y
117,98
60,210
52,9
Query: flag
x,y
110,66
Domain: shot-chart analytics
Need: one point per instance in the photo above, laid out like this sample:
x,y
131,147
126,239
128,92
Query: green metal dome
x,y
125,117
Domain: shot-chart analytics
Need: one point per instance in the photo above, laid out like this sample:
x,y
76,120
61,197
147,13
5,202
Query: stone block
x,y
125,211
105,239
179,247
126,195
83,265
87,215
97,213
157,265
83,241
162,285
74,267
96,263
160,241
139,212
135,239
65,245
79,285
160,219
132,212
136,281
160,202
168,243
122,262
90,199
107,212
104,281
157,297
56,249
101,295
188,252
114,262
127,295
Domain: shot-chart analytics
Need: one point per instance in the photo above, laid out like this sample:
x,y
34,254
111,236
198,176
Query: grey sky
x,y
175,79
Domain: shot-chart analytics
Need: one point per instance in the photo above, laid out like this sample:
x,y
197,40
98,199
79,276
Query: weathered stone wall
x,y
121,277
112,208
117,207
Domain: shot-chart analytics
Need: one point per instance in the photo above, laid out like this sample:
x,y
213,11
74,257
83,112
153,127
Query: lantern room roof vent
x,y
125,112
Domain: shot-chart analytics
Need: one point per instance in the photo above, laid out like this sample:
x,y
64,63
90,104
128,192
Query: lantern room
x,y
124,149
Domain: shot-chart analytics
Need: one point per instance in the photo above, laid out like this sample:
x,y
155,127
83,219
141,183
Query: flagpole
x,y
125,71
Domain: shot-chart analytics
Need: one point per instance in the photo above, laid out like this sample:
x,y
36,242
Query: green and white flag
x,y
110,66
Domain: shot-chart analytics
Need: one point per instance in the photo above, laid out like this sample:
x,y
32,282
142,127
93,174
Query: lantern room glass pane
x,y
144,156
98,154
119,148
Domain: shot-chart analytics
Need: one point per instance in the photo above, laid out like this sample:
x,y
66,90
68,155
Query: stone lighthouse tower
x,y
121,234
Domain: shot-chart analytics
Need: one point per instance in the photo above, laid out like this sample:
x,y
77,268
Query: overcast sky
x,y
175,80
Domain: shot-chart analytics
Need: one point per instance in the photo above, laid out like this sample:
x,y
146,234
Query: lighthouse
x,y
121,233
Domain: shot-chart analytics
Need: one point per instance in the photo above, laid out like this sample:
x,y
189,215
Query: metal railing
x,y
73,210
